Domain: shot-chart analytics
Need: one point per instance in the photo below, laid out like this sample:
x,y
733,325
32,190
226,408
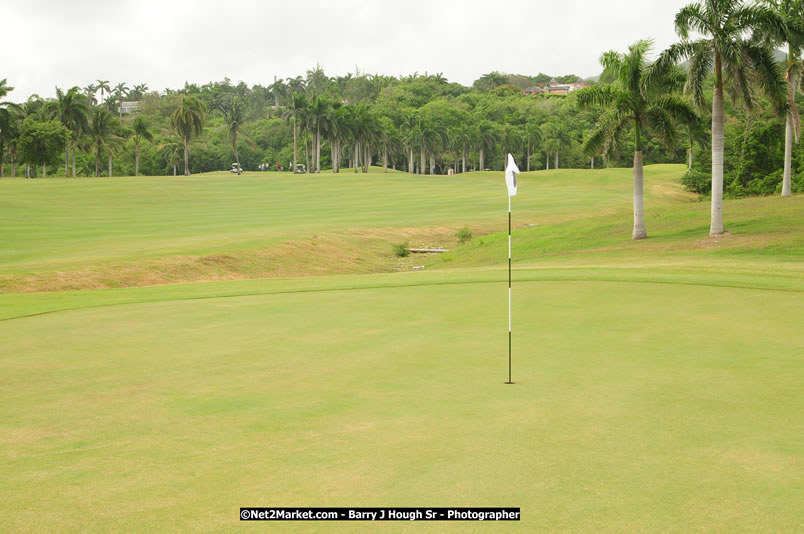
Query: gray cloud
x,y
165,43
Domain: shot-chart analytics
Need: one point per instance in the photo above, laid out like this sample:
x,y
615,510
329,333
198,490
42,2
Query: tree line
x,y
641,111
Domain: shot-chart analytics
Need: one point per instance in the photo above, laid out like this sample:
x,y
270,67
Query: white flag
x,y
511,170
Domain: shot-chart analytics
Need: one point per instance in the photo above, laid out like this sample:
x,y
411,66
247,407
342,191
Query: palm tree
x,y
790,33
549,143
746,62
632,103
120,90
294,113
697,132
188,122
338,132
103,85
490,81
534,138
7,123
103,136
90,91
138,91
279,90
486,139
73,112
140,127
511,141
173,151
557,137
463,137
233,118
320,110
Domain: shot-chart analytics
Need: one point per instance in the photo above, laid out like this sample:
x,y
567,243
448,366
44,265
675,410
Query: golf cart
x,y
236,169
300,169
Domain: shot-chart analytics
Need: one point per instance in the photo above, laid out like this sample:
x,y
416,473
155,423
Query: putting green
x,y
638,406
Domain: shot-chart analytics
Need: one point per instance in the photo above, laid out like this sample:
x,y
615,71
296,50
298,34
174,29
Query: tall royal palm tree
x,y
234,115
279,90
90,91
72,112
320,111
293,114
188,122
103,135
791,33
140,133
103,85
724,25
138,91
633,105
120,90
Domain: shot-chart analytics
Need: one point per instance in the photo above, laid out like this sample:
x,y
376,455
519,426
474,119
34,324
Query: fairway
x,y
659,385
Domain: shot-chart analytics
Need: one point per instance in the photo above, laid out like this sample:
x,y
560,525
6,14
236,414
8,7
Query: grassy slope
x,y
88,233
659,383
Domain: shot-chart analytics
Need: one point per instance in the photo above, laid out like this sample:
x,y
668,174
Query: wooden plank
x,y
427,250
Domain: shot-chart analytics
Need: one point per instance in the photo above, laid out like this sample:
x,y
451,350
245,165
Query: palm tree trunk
x,y
482,160
73,161
788,136
527,169
432,165
332,155
234,149
421,160
186,158
547,165
175,169
410,161
385,159
464,160
689,158
639,199
110,165
716,221
318,149
294,144
137,159
556,165
306,153
66,159
592,164
356,161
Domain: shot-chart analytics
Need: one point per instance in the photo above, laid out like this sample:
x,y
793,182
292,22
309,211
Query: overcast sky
x,y
165,43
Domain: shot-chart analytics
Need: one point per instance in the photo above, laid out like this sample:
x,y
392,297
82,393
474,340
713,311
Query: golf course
x,y
175,348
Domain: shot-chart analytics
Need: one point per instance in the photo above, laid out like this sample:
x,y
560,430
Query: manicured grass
x,y
64,223
659,384
638,407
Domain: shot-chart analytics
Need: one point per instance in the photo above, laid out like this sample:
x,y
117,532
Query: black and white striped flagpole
x,y
509,290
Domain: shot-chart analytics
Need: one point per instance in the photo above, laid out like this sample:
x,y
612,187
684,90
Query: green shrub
x,y
697,182
464,234
401,250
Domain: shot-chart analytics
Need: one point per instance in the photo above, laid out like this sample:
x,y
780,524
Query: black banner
x,y
378,514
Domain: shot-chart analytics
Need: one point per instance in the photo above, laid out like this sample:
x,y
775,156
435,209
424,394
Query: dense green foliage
x,y
40,142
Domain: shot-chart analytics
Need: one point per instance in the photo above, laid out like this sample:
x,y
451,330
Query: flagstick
x,y
509,291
